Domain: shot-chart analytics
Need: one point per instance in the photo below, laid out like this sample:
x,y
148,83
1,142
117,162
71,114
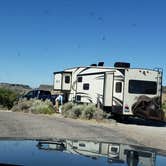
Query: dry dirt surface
x,y
30,126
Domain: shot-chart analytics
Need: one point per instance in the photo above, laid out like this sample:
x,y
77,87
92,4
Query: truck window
x,y
142,87
118,87
67,79
45,92
30,94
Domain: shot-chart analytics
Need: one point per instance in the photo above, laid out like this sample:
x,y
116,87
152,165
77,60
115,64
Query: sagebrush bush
x,y
34,106
82,111
76,111
22,106
7,98
67,106
71,110
99,114
88,111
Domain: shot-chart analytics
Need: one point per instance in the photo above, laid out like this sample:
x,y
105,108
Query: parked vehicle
x,y
38,94
42,95
118,89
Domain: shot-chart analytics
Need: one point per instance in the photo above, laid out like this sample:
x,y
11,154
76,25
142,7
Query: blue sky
x,y
38,37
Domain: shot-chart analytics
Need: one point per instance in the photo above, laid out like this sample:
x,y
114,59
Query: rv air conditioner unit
x,y
122,64
93,64
101,64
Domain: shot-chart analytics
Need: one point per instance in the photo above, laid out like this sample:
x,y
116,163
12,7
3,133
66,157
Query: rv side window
x,y
79,79
142,87
86,86
118,87
78,98
67,79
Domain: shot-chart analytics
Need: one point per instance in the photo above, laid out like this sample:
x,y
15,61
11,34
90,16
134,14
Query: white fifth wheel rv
x,y
117,89
65,82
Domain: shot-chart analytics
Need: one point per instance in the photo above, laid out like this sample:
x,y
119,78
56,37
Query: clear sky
x,y
38,37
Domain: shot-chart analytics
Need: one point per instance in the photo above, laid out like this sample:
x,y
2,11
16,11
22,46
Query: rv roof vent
x,y
122,64
93,64
101,64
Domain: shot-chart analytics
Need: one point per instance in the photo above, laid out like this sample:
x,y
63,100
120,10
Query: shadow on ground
x,y
139,121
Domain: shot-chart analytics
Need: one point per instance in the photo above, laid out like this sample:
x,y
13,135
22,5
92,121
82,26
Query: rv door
x,y
118,91
58,81
66,85
108,89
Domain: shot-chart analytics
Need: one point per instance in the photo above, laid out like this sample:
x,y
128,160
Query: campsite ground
x,y
29,126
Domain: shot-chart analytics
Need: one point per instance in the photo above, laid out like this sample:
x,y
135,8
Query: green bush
x,y
7,98
34,106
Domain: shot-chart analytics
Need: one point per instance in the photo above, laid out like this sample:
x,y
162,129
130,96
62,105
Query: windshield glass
x,y
83,70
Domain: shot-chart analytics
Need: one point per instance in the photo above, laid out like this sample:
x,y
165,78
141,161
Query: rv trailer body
x,y
140,82
116,89
65,82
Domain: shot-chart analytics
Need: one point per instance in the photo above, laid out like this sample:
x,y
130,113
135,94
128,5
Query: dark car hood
x,y
76,152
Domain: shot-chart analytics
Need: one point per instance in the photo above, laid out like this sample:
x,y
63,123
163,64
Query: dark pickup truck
x,y
39,94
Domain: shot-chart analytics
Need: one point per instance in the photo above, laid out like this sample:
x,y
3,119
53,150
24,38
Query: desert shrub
x,y
34,106
22,105
67,106
71,114
88,111
66,109
72,110
76,111
42,107
83,111
99,114
7,98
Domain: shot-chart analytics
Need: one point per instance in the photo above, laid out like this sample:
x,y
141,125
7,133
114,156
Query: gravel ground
x,y
30,126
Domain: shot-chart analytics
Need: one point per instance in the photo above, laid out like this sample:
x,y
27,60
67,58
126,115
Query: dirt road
x,y
21,125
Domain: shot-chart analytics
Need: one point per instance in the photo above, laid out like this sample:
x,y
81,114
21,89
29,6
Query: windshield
x,y
91,70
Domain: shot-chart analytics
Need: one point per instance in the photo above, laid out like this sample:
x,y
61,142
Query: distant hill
x,y
46,87
19,88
